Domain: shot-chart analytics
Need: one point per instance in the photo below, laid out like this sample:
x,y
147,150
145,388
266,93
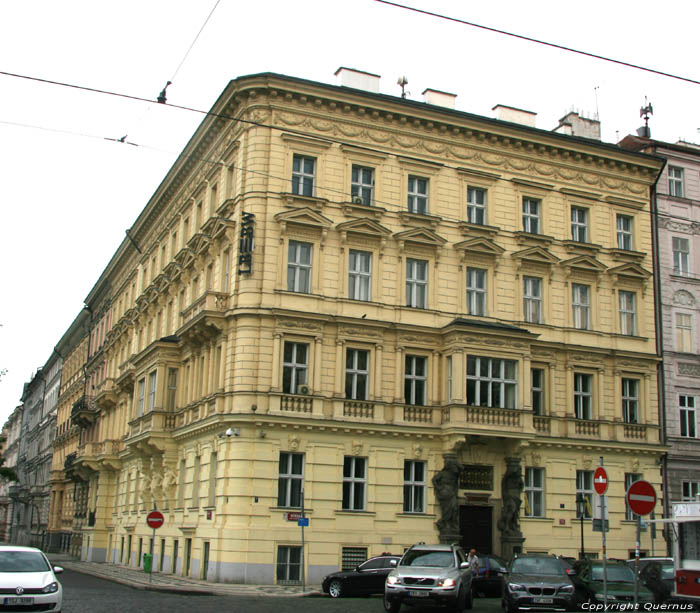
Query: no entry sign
x,y
155,519
600,481
641,497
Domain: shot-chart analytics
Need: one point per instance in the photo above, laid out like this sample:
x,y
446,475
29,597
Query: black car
x,y
367,578
489,579
538,582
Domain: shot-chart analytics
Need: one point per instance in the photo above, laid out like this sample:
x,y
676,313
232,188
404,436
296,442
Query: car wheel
x,y
469,600
509,608
335,589
391,604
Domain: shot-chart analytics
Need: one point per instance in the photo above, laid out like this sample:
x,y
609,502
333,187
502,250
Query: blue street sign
x,y
303,521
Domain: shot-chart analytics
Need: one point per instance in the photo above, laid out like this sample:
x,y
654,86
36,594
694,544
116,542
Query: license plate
x,y
18,601
417,594
543,600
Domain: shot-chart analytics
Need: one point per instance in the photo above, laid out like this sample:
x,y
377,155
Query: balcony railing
x,y
492,416
296,404
209,301
106,396
357,409
154,421
84,412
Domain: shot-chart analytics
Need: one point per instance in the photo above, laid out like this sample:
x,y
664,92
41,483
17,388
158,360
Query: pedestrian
x,y
473,562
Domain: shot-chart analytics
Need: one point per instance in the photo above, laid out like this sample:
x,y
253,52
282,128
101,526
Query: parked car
x,y
538,582
28,581
367,578
657,574
620,583
430,575
489,578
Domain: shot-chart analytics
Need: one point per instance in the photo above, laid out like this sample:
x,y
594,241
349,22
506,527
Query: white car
x,y
27,579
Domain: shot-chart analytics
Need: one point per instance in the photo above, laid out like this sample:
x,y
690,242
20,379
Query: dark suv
x,y
430,575
538,582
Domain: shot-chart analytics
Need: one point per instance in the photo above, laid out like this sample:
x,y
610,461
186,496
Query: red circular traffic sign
x,y
600,481
155,519
641,497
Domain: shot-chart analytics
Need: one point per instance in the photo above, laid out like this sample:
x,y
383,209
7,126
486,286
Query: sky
x,y
68,192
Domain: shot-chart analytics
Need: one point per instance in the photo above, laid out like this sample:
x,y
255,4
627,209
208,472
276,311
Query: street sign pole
x,y
641,499
605,554
303,565
636,561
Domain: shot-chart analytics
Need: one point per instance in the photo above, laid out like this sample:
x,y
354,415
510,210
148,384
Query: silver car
x,y
431,575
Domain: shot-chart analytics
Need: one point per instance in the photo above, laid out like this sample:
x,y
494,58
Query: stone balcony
x,y
151,431
602,430
84,412
213,302
106,397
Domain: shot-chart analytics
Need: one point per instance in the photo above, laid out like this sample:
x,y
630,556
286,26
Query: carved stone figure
x,y
511,488
446,484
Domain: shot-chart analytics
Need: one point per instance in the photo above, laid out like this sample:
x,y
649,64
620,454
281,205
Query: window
x,y
675,181
352,557
354,482
491,382
583,396
630,401
476,291
417,195
476,206
449,378
584,487
534,492
226,271
532,299
579,224
690,490
360,275
196,480
152,391
624,232
141,395
171,393
288,564
630,478
295,367
415,380
537,390
362,186
299,267
303,175
687,415
681,256
416,283
628,314
356,374
290,480
531,215
413,486
580,299
212,478
684,332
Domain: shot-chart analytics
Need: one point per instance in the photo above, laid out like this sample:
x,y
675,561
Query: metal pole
x,y
583,550
636,562
303,569
150,572
605,555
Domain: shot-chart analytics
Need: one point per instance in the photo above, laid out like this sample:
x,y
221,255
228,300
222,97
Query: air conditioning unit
x,y
304,389
357,200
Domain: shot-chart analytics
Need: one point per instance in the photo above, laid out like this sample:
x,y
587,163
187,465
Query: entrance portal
x,y
475,526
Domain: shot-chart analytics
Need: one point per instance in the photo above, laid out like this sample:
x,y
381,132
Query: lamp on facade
x,y
581,514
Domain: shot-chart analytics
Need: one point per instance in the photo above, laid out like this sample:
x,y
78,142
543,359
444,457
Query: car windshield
x,y
22,562
667,571
537,566
615,573
421,557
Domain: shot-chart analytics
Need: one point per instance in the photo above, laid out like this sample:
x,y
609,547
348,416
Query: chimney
x,y
357,79
575,125
514,115
438,98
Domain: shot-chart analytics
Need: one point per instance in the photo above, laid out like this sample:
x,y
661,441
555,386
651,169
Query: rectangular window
x,y
583,396
534,492
360,275
537,390
532,299
288,564
171,394
690,490
491,382
581,302
356,374
476,206
684,332
687,415
476,291
531,215
415,380
141,396
152,390
290,480
295,367
362,187
354,483
630,478
352,557
630,401
413,486
579,224
417,195
416,283
624,232
299,267
584,488
675,181
628,313
681,256
303,175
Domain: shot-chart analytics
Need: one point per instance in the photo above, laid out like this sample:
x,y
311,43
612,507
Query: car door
x,y
368,579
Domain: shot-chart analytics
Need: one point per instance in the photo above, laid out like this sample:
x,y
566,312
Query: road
x,y
87,594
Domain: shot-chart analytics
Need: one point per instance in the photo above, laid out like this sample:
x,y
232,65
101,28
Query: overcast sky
x,y
67,194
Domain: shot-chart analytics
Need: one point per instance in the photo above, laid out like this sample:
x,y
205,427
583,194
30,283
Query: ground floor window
x,y
288,564
352,557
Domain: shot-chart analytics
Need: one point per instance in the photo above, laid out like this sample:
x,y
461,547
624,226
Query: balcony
x,y
151,430
216,302
204,318
106,397
84,412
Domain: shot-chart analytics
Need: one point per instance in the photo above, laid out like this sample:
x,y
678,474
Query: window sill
x,y
406,514
351,512
539,519
626,254
292,510
572,246
352,209
525,237
296,200
419,219
468,228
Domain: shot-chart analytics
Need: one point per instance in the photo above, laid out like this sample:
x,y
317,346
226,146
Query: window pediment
x,y
185,257
419,236
303,217
479,247
630,272
584,263
365,228
535,255
217,227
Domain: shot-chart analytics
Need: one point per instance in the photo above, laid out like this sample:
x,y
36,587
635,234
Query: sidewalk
x,y
139,580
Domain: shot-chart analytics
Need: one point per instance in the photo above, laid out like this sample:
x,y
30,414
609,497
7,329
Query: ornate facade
x,y
412,322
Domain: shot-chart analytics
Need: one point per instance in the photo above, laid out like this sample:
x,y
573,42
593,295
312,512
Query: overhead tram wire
x,y
538,41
